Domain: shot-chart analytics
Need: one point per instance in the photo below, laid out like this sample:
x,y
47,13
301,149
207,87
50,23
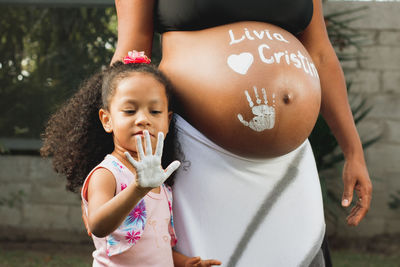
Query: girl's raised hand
x,y
198,262
148,167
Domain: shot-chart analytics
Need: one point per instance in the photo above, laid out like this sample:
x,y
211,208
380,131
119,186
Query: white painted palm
x,y
148,167
264,114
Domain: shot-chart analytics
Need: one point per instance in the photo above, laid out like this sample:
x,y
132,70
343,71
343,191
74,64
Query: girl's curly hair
x,y
74,135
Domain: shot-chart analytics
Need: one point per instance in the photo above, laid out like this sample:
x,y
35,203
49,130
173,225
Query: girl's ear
x,y
105,119
170,113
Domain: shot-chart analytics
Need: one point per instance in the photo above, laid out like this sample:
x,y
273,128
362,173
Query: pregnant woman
x,y
251,78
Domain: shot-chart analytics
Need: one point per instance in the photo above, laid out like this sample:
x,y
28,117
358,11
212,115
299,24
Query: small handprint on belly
x,y
264,114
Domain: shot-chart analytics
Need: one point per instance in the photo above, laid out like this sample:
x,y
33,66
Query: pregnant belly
x,y
250,87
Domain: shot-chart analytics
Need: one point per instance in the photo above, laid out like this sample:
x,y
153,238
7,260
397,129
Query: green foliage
x,y
45,53
355,258
344,36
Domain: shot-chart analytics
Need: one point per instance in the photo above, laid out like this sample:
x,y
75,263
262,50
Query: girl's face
x,y
139,103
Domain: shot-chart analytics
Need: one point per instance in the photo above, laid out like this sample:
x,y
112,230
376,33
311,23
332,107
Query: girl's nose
x,y
142,118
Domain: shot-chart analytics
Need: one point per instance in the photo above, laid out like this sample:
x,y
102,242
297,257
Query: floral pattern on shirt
x,y
137,216
133,236
118,166
123,186
171,227
129,232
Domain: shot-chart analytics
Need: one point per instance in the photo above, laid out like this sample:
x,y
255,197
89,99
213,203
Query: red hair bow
x,y
136,57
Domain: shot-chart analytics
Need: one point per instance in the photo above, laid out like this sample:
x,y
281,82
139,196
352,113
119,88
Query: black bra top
x,y
188,15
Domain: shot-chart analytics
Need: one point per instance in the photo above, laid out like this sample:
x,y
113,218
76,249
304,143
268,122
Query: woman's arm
x,y
337,113
135,27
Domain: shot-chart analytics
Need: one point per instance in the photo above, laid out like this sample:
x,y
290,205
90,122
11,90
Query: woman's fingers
x,y
356,214
356,178
362,206
348,192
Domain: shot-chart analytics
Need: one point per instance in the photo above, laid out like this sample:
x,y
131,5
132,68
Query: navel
x,y
287,98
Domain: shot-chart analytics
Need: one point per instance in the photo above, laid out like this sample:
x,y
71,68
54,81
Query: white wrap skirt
x,y
245,211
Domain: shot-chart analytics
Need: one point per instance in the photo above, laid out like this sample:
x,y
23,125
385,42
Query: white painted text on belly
x,y
241,63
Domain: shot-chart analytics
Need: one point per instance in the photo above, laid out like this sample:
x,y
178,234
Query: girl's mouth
x,y
141,134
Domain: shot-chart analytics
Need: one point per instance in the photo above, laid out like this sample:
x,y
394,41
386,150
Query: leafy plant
x,y
342,35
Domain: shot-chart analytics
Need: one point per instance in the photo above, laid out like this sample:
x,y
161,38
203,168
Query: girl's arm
x,y
106,211
337,113
135,27
181,260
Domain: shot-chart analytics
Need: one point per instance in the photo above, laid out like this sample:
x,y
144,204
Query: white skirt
x,y
243,211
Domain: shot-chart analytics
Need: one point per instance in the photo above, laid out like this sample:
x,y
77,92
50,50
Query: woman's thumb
x,y
347,194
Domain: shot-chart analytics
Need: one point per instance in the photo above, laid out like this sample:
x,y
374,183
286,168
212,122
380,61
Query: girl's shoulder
x,y
112,168
123,176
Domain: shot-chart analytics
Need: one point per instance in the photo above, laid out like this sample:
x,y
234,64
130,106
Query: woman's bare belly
x,y
250,87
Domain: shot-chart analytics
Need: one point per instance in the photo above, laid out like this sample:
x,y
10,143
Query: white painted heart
x,y
240,63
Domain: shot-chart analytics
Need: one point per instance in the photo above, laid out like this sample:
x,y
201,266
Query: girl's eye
x,y
155,112
130,111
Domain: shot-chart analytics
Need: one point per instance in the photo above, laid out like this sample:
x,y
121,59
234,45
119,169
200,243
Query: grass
x,y
60,255
37,258
345,258
45,254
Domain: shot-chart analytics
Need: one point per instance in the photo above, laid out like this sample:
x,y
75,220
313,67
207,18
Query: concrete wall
x,y
376,77
46,210
49,212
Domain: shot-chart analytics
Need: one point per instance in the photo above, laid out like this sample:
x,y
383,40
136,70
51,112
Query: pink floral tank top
x,y
147,234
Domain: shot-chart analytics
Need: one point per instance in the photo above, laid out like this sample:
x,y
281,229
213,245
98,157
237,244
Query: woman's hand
x,y
198,262
148,167
356,178
336,111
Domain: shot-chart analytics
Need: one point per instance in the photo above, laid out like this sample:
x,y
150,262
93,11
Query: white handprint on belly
x,y
265,115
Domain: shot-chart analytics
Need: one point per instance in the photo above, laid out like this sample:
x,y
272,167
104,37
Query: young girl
x,y
127,206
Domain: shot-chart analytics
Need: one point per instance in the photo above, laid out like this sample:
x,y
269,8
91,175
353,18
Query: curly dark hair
x,y
74,135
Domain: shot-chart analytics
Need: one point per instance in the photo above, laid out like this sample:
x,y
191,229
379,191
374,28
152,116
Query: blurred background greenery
x,y
45,53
